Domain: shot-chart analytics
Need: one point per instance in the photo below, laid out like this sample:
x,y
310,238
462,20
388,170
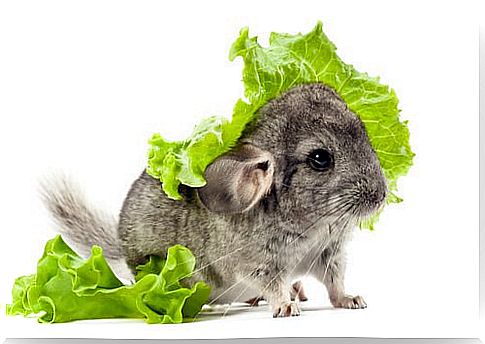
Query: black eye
x,y
320,160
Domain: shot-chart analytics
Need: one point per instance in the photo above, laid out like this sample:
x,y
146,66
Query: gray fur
x,y
297,227
83,226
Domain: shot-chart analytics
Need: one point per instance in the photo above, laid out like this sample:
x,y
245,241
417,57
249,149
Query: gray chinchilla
x,y
279,206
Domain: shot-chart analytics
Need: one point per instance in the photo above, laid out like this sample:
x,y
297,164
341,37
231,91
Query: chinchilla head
x,y
305,154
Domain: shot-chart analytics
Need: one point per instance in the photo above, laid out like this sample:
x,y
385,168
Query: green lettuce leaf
x,y
184,162
67,287
289,60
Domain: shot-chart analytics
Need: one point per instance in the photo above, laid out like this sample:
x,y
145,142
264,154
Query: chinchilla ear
x,y
238,180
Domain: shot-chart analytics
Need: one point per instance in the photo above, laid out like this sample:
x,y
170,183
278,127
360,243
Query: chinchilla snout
x,y
364,191
370,193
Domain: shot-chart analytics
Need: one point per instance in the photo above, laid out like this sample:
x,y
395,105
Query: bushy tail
x,y
79,225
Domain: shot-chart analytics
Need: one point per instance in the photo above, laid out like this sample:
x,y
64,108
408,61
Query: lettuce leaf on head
x,y
288,61
67,287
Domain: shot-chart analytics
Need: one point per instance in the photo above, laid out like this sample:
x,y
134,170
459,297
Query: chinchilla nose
x,y
372,192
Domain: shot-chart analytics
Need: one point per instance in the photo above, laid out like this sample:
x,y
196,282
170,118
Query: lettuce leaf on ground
x,y
67,287
289,60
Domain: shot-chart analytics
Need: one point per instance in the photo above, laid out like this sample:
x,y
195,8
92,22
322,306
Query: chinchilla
x,y
280,205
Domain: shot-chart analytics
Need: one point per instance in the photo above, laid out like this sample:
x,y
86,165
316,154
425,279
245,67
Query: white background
x,y
83,85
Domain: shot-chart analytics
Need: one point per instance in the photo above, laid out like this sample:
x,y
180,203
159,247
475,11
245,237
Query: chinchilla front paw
x,y
350,302
286,309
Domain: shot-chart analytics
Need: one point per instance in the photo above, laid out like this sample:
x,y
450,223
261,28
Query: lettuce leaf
x,y
185,161
67,287
289,60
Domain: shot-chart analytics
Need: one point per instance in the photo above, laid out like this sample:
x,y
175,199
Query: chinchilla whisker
x,y
327,264
337,208
332,200
329,202
339,243
308,228
285,185
209,264
335,204
314,222
279,273
332,256
235,299
322,246
230,288
343,201
322,249
285,267
313,246
300,260
226,290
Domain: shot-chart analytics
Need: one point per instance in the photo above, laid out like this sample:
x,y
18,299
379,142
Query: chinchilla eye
x,y
320,160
